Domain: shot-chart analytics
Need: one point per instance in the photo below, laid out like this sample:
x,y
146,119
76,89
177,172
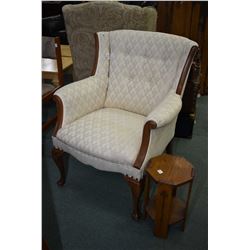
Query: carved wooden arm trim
x,y
192,87
194,50
59,116
194,76
144,144
47,96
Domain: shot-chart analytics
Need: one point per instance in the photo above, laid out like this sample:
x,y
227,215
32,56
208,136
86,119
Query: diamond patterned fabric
x,y
144,66
82,97
111,134
166,111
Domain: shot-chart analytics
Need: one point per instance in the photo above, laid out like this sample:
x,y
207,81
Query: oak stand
x,y
168,172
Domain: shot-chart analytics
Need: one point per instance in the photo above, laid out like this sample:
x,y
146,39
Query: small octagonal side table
x,y
168,172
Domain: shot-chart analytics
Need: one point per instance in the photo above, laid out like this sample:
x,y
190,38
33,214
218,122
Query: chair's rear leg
x,y
136,191
57,156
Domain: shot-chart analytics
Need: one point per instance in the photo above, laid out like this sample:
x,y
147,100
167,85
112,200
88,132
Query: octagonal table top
x,y
170,169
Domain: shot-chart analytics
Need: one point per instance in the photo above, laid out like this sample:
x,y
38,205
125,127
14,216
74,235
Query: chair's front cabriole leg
x,y
57,156
136,191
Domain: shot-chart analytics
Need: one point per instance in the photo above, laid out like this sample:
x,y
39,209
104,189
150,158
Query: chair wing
x,y
167,110
81,97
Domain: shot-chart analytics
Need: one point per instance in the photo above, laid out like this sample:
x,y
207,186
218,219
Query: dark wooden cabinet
x,y
189,19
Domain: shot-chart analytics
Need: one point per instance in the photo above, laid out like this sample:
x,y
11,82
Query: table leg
x,y
174,191
164,198
187,202
146,195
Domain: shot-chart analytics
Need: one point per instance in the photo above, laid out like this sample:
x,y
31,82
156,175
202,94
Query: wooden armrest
x,y
144,144
59,107
47,96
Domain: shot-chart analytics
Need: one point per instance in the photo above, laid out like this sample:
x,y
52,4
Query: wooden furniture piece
x,y
45,244
66,52
52,69
169,172
125,113
189,19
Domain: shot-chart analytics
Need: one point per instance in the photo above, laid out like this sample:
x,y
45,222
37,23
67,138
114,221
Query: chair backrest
x,y
85,19
143,68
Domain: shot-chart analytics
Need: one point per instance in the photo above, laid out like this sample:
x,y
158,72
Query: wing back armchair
x,y
84,19
125,114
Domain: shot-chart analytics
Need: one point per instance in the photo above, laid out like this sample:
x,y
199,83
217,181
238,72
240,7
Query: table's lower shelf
x,y
178,210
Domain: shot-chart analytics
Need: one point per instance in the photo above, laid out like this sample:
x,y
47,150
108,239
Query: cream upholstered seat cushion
x,y
111,134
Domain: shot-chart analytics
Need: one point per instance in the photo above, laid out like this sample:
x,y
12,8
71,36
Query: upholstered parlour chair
x,y
125,113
